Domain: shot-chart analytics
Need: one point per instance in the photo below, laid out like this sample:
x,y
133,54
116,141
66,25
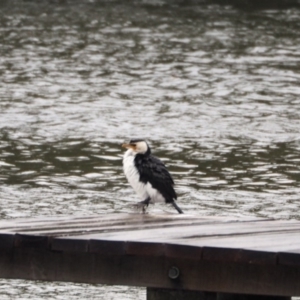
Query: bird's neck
x,y
147,153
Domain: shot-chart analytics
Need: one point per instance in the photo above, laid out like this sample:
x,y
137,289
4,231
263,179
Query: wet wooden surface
x,y
252,256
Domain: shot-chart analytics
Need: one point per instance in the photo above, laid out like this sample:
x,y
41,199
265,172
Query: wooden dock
x,y
174,256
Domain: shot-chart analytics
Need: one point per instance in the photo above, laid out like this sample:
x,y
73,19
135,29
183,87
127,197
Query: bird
x,y
148,175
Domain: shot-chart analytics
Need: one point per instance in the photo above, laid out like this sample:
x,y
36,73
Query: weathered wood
x,y
221,255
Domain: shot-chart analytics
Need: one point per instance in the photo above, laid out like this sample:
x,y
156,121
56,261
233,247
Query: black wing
x,y
153,170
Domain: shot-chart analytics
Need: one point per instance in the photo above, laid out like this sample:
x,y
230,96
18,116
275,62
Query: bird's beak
x,y
127,146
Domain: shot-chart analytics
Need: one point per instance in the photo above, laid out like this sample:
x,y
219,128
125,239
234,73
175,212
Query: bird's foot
x,y
142,205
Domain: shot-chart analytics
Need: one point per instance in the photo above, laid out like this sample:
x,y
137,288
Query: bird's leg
x,y
177,207
145,204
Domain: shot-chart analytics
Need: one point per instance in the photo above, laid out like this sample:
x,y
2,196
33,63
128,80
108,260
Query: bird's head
x,y
138,146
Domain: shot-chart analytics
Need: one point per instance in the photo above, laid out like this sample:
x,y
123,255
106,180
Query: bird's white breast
x,y
132,174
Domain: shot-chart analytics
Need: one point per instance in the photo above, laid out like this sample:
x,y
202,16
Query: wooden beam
x,y
40,263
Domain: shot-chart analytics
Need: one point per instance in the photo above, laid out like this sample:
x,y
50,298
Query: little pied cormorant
x,y
148,175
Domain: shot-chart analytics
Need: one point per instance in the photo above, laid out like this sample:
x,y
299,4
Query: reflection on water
x,y
213,88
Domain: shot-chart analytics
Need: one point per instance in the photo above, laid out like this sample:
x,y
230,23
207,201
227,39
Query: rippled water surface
x,y
214,89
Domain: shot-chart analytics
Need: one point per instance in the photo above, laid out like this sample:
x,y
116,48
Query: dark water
x,y
213,88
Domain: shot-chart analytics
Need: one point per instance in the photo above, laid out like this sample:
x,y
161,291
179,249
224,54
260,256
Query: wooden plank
x,y
251,235
89,227
102,220
248,236
271,242
119,217
112,223
192,231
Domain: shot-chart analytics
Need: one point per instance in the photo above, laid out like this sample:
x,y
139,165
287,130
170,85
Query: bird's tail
x,y
177,207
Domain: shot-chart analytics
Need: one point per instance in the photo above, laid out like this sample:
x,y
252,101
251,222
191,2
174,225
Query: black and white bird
x,y
148,175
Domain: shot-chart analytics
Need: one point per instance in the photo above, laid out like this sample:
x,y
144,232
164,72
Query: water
x,y
213,88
